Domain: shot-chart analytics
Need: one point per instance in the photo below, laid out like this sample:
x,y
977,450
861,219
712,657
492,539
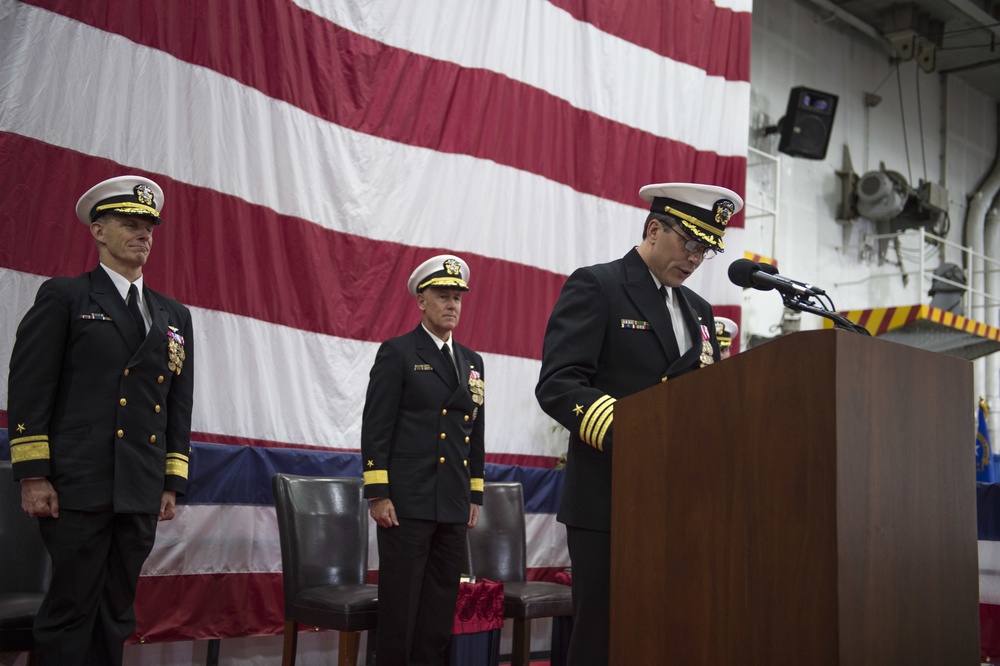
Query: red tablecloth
x,y
479,607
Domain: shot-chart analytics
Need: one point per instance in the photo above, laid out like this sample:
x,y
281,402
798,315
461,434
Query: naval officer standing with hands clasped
x,y
423,454
100,397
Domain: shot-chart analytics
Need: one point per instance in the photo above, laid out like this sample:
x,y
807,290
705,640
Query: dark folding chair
x,y
25,569
498,550
323,526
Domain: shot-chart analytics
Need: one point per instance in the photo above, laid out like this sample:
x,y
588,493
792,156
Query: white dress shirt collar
x,y
122,284
439,342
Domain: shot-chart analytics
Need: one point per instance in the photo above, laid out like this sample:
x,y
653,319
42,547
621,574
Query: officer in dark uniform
x,y
618,328
99,408
423,455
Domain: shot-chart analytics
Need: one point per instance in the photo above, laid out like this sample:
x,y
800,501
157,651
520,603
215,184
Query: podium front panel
x,y
810,500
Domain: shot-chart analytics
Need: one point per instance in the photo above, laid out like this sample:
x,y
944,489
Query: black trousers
x,y
420,562
590,555
88,611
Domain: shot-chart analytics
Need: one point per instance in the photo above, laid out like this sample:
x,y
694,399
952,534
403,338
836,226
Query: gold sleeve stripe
x,y
603,430
596,421
24,449
176,467
376,476
29,438
178,456
477,485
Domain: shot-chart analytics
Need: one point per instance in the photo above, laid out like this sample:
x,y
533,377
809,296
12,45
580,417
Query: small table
x,y
475,639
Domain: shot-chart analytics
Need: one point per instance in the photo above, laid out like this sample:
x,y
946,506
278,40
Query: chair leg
x,y
348,653
291,643
521,643
370,648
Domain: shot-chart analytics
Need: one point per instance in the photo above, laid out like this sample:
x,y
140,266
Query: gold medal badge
x,y
175,351
478,390
476,386
706,353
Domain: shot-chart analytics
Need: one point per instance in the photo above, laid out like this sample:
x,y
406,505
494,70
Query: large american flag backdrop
x,y
312,154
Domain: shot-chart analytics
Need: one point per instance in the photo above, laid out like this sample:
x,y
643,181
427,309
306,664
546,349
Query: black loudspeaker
x,y
805,129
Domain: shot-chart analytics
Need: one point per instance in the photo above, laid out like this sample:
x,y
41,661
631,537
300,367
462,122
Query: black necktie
x,y
670,314
133,307
449,363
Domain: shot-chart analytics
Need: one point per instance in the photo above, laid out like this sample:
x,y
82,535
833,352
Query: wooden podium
x,y
811,501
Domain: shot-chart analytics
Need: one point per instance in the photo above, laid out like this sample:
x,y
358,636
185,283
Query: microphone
x,y
745,273
770,269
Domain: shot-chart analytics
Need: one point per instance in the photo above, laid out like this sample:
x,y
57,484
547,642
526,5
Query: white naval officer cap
x,y
444,270
125,195
703,210
725,330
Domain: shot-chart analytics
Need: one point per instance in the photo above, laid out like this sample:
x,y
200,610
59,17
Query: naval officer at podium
x,y
618,328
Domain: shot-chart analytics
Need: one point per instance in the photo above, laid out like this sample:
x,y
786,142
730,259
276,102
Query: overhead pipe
x,y
837,12
982,234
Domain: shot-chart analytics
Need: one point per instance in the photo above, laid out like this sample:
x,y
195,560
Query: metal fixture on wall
x,y
886,198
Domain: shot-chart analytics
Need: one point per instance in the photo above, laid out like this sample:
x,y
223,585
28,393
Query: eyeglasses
x,y
692,246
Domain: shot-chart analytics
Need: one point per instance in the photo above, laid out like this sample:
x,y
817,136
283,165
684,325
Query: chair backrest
x,y
497,545
24,562
323,527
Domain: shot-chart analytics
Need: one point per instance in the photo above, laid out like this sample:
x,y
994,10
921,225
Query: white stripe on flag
x,y
236,538
336,177
989,572
590,69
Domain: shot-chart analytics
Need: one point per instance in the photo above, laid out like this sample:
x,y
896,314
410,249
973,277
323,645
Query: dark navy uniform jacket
x,y
610,336
422,438
105,418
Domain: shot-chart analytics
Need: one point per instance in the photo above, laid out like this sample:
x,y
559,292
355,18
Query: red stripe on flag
x,y
234,604
695,32
989,631
364,85
278,269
